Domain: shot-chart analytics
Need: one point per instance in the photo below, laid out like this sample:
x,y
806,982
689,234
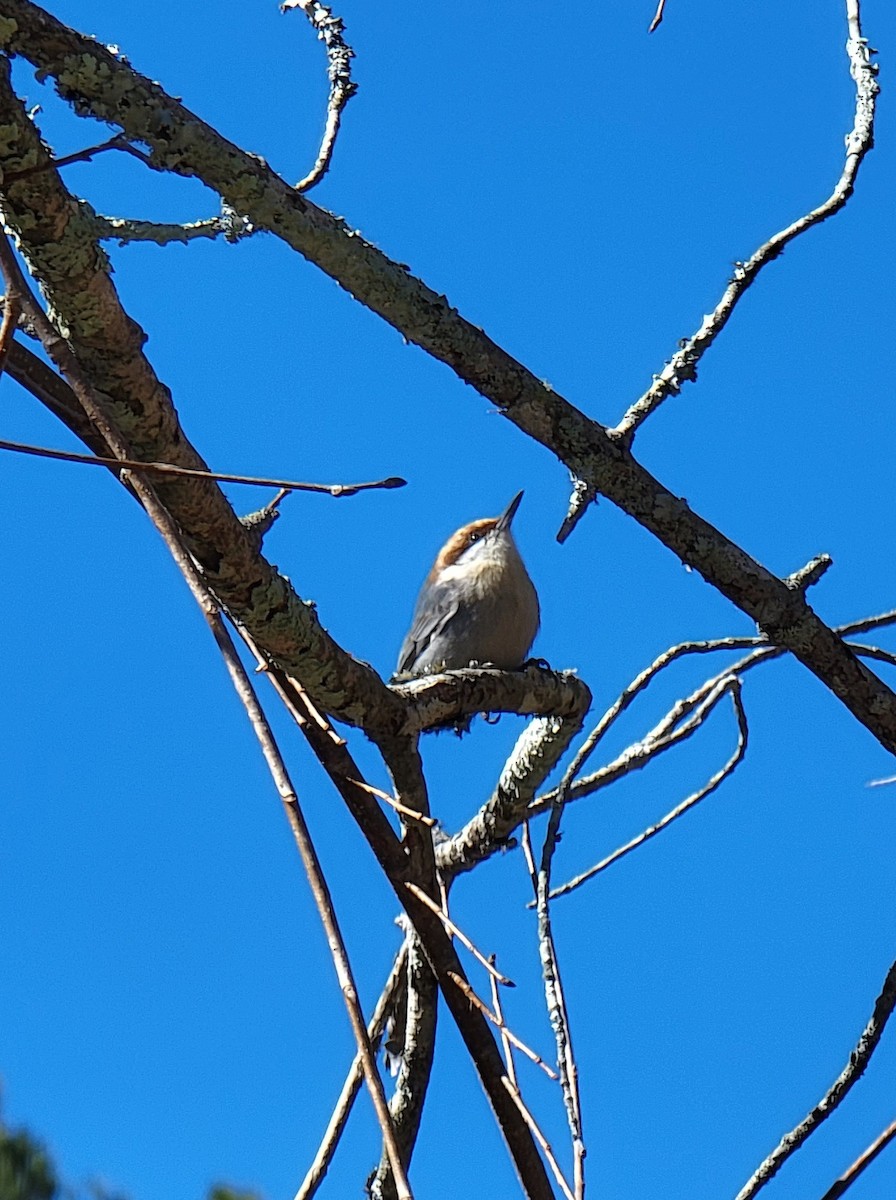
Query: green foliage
x,y
26,1172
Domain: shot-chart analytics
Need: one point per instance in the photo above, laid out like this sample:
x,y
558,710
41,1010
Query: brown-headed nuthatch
x,y
477,605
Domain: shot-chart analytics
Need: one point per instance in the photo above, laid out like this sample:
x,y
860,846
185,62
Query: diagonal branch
x,y
682,367
848,1077
315,1174
865,1159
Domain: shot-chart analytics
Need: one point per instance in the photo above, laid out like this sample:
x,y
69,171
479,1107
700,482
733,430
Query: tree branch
x,y
682,367
850,1075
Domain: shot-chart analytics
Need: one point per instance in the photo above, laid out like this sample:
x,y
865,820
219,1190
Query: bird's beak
x,y
509,513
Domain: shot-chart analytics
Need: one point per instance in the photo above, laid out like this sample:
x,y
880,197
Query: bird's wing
x,y
435,608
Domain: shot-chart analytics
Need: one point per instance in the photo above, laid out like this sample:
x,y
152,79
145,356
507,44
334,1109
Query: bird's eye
x,y
473,537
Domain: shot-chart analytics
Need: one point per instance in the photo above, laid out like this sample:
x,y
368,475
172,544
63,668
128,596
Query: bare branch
x,y
640,682
540,1137
12,306
157,468
583,495
336,1125
229,225
499,1023
876,652
339,57
539,748
415,1066
810,574
555,999
850,1075
107,346
506,1043
488,963
401,809
333,755
119,142
733,688
682,367
848,1178
657,17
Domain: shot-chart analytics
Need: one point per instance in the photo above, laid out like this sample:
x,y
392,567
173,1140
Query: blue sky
x,y
168,1011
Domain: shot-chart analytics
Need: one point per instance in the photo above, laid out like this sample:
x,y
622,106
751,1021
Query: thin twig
x,y
119,142
877,652
680,723
12,306
657,17
156,468
417,1051
583,495
498,1022
506,1043
339,56
553,986
851,1174
867,623
851,1073
401,809
539,1137
734,690
642,752
488,963
640,682
336,1125
682,367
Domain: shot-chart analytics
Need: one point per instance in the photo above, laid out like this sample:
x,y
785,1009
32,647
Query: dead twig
x,y
12,306
851,1174
314,1177
330,30
539,1137
488,963
657,17
506,1043
733,688
229,225
119,142
471,1021
498,1022
836,1093
555,999
877,652
640,753
641,681
682,367
401,809
157,468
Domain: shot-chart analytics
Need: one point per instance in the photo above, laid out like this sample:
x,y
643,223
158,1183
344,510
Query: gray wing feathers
x,y
435,608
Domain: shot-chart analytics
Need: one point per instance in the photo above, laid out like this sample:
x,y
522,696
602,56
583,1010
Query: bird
x,y
477,604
